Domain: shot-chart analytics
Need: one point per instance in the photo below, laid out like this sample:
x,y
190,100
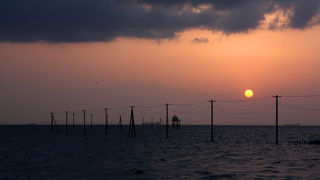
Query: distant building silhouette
x,y
176,122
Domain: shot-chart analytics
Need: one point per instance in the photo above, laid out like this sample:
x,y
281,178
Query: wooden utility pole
x,y
132,129
91,117
120,123
53,122
277,118
84,121
142,124
152,126
106,120
66,122
211,102
51,115
167,120
73,122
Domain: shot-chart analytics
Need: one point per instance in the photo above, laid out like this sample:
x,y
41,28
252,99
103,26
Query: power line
x,y
205,102
195,119
97,109
191,104
153,112
151,106
302,96
300,108
193,112
160,105
243,100
253,112
260,117
300,115
120,107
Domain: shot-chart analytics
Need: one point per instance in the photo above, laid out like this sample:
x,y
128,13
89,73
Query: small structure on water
x,y
176,122
297,124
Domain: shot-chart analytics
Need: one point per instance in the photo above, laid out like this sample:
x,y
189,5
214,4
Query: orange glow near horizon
x,y
138,71
268,60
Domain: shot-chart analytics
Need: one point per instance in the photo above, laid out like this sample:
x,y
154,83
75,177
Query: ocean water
x,y
238,152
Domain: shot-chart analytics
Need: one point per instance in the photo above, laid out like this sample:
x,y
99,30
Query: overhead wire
x,y
192,112
244,100
260,117
252,112
302,96
114,110
300,108
149,107
300,115
190,104
148,112
119,107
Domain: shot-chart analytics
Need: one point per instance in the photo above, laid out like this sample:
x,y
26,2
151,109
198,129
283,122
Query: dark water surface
x,y
238,152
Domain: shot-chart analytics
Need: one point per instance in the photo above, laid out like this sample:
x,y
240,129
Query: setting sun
x,y
248,93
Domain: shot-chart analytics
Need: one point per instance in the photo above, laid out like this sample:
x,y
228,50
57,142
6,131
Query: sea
x,y
236,152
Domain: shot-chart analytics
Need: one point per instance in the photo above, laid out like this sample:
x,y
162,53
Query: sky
x,y
73,55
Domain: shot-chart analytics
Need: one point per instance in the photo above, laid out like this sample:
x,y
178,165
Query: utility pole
x,y
73,121
120,123
277,118
211,102
51,115
132,129
66,122
152,122
167,120
55,123
84,121
91,116
142,122
106,119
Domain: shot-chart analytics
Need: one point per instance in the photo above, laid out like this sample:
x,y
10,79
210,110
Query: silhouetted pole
x,y
211,102
51,115
73,122
84,121
91,116
133,124
132,129
277,120
152,122
106,119
66,122
142,122
172,124
167,120
120,123
55,123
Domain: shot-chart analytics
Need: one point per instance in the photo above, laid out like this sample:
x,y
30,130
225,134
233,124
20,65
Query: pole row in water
x,y
132,129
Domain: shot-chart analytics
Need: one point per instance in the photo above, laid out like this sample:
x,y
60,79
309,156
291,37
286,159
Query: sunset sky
x,y
77,54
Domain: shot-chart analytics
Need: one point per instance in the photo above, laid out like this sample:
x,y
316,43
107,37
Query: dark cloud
x,y
200,40
104,20
304,12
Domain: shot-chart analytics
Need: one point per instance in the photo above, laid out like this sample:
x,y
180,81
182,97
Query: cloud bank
x,y
104,20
